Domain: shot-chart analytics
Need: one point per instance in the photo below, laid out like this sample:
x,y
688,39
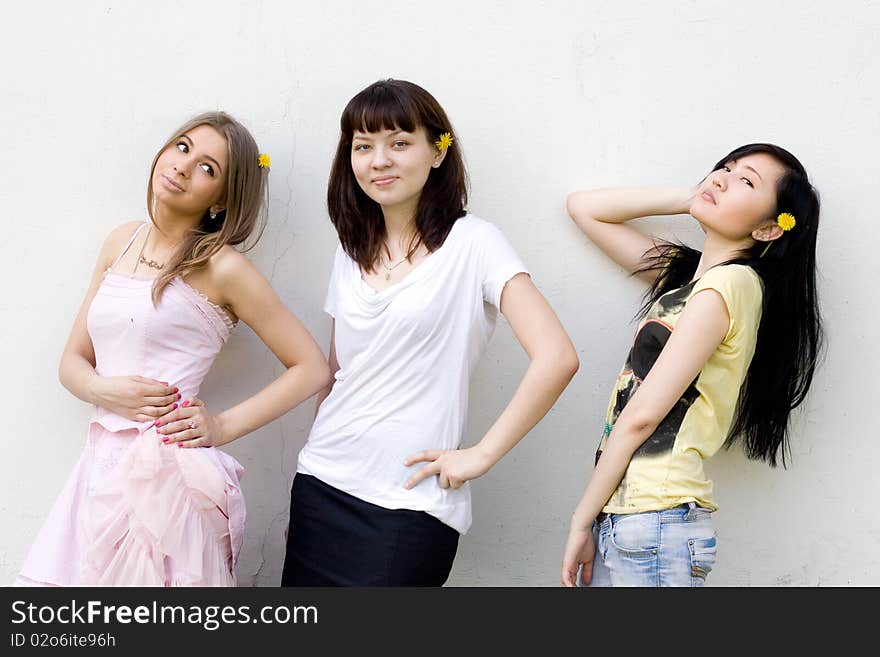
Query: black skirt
x,y
336,539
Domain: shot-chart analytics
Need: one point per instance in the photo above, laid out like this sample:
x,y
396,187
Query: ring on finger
x,y
192,424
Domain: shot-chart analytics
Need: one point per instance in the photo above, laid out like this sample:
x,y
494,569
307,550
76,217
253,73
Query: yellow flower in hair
x,y
444,141
786,221
264,160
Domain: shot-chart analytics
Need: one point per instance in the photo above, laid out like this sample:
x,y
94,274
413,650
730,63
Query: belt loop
x,y
692,506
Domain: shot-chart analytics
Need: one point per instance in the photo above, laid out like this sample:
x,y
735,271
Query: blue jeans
x,y
672,547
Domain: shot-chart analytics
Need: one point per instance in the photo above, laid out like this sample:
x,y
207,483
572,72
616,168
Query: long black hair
x,y
790,335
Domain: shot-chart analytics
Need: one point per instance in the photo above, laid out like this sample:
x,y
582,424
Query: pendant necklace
x,y
391,268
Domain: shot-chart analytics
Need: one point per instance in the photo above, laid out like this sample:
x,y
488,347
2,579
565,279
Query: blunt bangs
x,y
380,108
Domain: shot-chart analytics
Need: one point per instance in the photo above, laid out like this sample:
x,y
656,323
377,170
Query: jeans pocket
x,y
635,536
702,551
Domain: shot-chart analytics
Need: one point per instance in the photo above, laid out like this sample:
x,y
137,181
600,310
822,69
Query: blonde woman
x,y
152,501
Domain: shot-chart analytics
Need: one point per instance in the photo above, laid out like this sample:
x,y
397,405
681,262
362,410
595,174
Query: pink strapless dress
x,y
136,512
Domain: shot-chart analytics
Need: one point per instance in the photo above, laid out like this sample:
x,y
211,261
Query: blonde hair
x,y
245,194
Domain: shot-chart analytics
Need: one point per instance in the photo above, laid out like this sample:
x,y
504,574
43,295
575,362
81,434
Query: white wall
x,y
545,97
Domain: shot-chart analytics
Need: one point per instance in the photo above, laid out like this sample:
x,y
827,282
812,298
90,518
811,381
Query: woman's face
x,y
738,198
392,166
190,174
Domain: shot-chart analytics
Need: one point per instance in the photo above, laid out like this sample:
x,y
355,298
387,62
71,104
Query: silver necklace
x,y
392,267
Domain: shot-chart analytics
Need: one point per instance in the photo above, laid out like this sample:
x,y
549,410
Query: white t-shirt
x,y
406,355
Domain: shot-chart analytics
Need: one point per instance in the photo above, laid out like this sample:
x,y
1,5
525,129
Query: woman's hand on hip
x,y
453,467
191,425
134,397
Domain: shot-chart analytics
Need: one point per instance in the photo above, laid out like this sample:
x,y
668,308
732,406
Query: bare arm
x,y
553,362
250,296
601,214
135,397
700,329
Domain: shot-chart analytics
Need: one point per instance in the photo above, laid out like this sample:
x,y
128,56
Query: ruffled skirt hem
x,y
136,512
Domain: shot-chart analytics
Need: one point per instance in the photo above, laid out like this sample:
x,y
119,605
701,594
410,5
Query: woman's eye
x,y
747,182
400,144
726,168
361,147
182,147
208,169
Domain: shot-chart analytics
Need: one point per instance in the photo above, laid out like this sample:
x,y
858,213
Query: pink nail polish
x,y
164,383
178,397
175,390
173,406
158,424
164,440
186,403
179,445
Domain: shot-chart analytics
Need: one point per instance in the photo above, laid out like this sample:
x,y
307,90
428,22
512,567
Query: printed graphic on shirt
x,y
667,469
652,336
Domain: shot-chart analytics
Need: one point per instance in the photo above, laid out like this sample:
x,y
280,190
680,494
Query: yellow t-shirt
x,y
667,469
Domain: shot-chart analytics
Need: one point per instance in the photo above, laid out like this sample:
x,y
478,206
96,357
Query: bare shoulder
x,y
229,264
123,232
236,281
233,274
116,240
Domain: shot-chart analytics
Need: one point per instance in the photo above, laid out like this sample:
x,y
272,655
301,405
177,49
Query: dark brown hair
x,y
244,193
394,105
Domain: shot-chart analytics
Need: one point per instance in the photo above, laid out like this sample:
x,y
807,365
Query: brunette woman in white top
x,y
380,496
